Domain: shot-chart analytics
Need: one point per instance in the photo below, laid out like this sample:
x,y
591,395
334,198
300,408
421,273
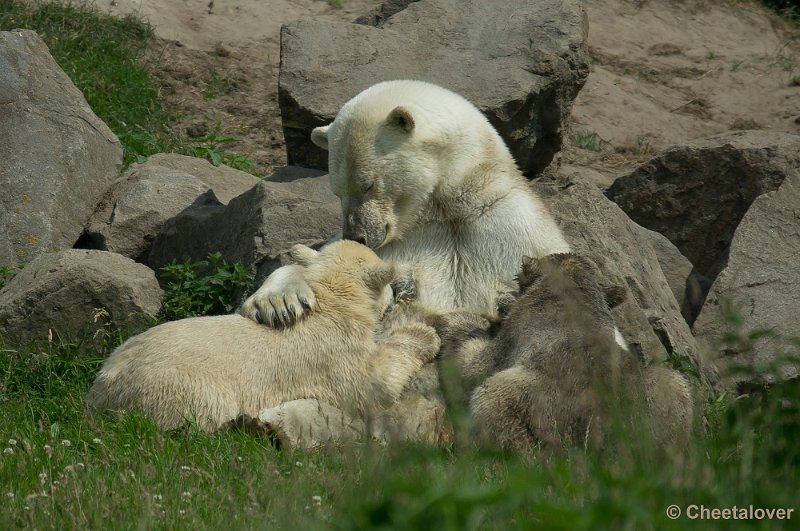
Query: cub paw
x,y
458,325
420,339
282,300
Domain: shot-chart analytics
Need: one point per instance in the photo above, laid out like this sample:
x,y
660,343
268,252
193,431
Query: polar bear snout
x,y
365,223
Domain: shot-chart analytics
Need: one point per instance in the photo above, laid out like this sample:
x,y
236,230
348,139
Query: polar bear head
x,y
393,147
350,273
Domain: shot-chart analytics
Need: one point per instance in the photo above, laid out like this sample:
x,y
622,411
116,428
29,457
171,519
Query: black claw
x,y
259,317
405,289
305,303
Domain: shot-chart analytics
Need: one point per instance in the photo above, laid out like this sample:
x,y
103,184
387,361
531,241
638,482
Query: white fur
x,y
214,369
472,215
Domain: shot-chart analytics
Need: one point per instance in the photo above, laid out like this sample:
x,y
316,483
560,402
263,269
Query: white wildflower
x,y
10,495
12,442
8,451
157,498
66,442
186,495
317,500
96,441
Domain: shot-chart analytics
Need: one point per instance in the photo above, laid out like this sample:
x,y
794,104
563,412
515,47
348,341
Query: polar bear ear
x,y
402,118
303,255
319,135
379,276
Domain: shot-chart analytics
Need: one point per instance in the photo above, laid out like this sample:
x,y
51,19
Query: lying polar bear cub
x,y
216,369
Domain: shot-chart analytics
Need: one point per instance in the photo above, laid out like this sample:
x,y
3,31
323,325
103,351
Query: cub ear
x,y
303,255
319,135
531,271
379,276
402,118
614,295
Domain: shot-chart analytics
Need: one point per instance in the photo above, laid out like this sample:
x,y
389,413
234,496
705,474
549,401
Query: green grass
x,y
588,140
788,9
61,468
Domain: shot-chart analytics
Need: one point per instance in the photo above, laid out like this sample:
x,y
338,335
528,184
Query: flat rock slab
x,y
759,290
522,63
72,294
226,182
56,157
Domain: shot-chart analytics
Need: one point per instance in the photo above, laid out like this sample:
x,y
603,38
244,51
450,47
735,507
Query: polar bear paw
x,y
283,299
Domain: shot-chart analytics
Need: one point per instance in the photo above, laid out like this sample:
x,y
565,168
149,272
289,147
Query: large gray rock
x,y
57,157
650,319
72,294
759,289
131,213
676,267
522,63
225,181
696,194
258,227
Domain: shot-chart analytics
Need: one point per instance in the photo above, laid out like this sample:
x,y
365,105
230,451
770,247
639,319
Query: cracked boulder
x,y
56,157
137,205
522,63
257,228
751,316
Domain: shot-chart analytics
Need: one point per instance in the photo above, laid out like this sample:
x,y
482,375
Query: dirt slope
x,y
663,71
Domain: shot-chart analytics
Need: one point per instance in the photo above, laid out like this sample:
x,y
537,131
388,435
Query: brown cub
x,y
555,372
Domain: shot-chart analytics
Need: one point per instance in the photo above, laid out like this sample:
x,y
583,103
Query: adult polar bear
x,y
428,183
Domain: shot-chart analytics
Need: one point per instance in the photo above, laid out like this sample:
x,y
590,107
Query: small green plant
x,y
588,140
211,149
6,274
787,9
207,287
683,364
220,85
735,65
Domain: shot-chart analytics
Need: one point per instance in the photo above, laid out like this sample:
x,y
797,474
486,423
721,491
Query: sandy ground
x,y
663,71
